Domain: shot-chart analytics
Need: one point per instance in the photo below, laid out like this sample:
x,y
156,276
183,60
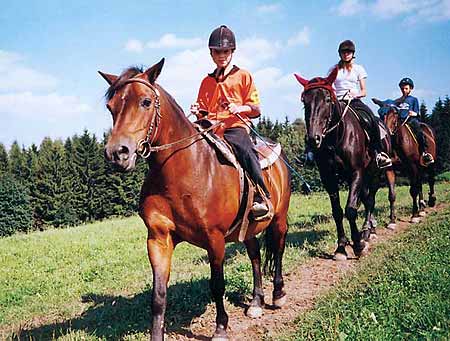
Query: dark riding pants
x,y
242,146
414,123
369,123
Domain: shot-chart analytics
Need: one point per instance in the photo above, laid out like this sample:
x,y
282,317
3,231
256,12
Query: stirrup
x,y
427,158
383,160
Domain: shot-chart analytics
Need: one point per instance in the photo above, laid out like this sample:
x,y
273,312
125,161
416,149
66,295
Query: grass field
x,y
93,282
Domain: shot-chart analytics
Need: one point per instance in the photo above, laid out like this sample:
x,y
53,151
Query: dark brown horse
x,y
408,157
188,195
341,152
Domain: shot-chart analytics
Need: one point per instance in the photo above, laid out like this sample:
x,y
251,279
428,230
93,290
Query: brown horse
x,y
188,194
341,152
408,156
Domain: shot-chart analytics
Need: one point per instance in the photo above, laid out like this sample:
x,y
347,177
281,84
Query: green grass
x,y
94,281
402,291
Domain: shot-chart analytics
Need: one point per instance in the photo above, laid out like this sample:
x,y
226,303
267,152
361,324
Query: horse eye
x,y
146,102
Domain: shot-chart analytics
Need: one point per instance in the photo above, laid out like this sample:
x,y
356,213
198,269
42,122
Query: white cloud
x,y
17,77
134,45
389,8
268,8
412,11
253,52
49,106
300,38
350,7
170,40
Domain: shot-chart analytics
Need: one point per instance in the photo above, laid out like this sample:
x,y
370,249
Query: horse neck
x,y
174,125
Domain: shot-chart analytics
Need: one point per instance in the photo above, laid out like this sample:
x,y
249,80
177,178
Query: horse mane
x,y
119,82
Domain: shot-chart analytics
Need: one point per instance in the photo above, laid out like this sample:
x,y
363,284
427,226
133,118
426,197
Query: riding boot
x,y
382,159
427,158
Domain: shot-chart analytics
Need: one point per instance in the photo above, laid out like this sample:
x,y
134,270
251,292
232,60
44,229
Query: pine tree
x,y
440,120
88,167
53,190
17,162
423,113
15,209
4,161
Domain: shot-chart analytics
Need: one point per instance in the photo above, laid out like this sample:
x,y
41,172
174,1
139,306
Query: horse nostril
x,y
123,152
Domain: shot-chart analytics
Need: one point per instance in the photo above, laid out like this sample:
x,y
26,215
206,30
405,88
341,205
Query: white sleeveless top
x,y
346,80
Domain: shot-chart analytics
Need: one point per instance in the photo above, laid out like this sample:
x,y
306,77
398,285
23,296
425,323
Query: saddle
x,y
381,126
268,152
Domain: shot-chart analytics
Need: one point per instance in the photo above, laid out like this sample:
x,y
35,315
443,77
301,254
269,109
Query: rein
x,y
145,147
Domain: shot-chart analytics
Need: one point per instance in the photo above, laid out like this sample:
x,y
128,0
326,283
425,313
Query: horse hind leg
x,y
216,255
255,308
390,177
275,240
431,180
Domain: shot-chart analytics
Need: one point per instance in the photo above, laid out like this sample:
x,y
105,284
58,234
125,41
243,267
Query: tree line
x,y
68,183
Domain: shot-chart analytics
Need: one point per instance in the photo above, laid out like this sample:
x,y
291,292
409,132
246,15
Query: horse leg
x,y
365,198
351,213
431,194
160,252
216,255
338,215
414,192
390,177
253,251
278,229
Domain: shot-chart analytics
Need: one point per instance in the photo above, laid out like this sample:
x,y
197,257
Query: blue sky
x,y
50,52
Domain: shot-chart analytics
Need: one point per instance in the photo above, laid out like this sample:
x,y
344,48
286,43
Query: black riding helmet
x,y
222,38
346,45
406,81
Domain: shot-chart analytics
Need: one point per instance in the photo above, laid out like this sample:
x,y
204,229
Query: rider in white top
x,y
349,80
350,85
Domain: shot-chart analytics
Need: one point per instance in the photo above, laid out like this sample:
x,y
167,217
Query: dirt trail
x,y
303,286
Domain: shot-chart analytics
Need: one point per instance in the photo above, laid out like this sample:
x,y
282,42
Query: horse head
x,y
388,112
319,100
133,100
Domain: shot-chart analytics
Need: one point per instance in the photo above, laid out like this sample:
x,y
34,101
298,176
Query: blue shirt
x,y
409,103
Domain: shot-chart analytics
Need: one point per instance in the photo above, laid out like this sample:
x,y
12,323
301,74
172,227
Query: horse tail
x,y
269,250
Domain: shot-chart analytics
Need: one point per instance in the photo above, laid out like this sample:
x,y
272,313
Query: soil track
x,y
303,286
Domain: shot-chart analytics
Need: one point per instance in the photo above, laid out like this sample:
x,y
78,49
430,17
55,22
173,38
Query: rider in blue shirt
x,y
409,107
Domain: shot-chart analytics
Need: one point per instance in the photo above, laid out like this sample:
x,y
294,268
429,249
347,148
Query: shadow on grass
x,y
113,317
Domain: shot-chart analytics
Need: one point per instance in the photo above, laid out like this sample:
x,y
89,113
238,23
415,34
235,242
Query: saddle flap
x,y
268,152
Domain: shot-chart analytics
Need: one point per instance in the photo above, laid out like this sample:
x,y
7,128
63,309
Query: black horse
x,y
341,152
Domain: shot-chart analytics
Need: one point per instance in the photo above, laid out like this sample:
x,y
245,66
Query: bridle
x,y
334,105
144,146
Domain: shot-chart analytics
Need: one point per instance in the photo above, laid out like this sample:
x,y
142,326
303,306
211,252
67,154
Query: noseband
x,y
144,145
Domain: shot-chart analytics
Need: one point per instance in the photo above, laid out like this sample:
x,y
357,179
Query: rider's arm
x,y
363,91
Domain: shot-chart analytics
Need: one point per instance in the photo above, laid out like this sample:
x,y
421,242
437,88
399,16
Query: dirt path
x,y
303,286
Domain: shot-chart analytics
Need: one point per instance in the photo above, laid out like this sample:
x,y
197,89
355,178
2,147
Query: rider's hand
x,y
354,94
234,109
195,108
412,113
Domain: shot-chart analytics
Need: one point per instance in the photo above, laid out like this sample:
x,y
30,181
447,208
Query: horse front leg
x,y
216,255
160,250
390,177
351,212
414,192
255,308
431,180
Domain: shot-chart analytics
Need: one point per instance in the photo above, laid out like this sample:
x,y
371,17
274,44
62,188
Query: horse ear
x,y
332,76
301,80
154,71
378,102
107,77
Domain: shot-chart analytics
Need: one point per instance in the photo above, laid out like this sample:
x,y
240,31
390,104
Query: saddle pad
x,y
268,152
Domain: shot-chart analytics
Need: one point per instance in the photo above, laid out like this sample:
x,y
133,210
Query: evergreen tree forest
x,y
66,183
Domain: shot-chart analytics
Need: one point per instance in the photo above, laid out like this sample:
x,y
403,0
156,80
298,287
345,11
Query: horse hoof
x,y
362,249
254,312
391,226
422,214
279,302
415,220
220,336
340,257
431,202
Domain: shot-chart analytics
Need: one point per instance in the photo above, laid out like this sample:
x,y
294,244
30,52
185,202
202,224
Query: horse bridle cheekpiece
x,y
144,145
